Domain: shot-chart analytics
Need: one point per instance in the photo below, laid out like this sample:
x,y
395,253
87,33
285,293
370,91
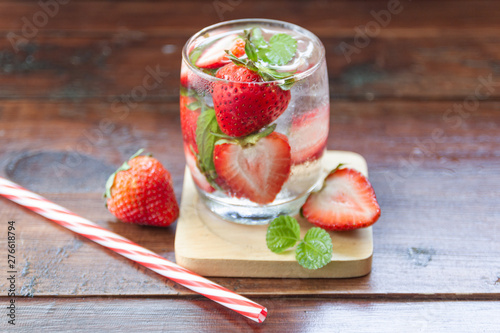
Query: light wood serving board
x,y
211,246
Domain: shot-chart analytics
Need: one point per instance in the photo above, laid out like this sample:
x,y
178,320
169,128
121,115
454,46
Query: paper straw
x,y
132,251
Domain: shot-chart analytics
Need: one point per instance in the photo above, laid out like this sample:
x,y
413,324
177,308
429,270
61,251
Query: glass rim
x,y
291,26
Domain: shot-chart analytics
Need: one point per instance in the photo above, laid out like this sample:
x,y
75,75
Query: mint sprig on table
x,y
262,55
313,252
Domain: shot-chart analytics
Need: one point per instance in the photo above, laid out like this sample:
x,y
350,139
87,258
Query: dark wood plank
x,y
112,66
296,315
432,50
437,234
326,18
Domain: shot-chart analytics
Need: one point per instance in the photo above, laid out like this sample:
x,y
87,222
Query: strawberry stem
x,y
125,166
245,141
336,168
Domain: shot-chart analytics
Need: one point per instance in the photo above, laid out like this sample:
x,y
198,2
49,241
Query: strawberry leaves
x,y
313,252
346,201
248,140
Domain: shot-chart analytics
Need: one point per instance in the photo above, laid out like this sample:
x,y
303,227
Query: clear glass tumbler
x,y
254,125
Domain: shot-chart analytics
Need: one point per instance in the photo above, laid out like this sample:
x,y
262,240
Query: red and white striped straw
x,y
133,251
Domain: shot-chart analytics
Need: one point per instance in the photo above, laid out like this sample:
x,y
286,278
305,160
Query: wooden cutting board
x,y
211,246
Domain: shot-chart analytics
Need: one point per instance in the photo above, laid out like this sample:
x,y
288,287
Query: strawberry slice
x,y
214,56
254,171
308,135
198,178
188,120
346,201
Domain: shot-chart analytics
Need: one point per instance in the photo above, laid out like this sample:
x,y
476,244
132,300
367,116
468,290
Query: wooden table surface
x,y
419,99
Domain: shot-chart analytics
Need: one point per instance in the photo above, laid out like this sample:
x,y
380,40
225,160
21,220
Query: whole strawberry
x,y
141,192
242,106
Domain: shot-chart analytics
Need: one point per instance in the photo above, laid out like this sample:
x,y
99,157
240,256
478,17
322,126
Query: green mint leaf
x,y
235,59
282,233
257,39
210,71
252,66
187,92
266,76
194,106
253,138
274,73
183,91
282,48
265,72
253,43
250,139
262,55
223,136
205,126
270,74
315,251
279,75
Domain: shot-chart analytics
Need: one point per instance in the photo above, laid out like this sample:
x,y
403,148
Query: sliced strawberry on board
x,y
254,171
198,178
215,56
189,118
243,107
308,135
346,201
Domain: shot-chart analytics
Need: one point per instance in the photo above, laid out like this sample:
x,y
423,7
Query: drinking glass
x,y
303,126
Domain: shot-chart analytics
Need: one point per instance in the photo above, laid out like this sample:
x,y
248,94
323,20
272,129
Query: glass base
x,y
252,215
